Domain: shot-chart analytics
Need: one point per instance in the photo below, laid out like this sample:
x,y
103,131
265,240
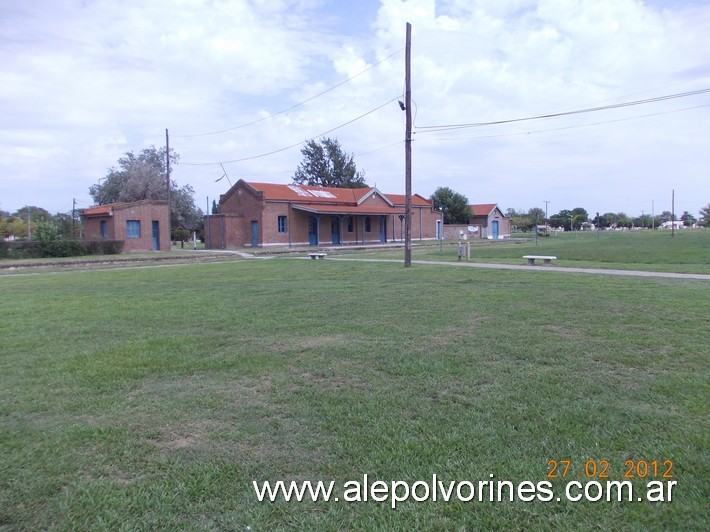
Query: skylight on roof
x,y
298,190
322,193
305,193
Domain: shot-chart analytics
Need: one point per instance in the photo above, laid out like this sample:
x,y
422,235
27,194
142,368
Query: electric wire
x,y
293,106
450,127
298,143
521,133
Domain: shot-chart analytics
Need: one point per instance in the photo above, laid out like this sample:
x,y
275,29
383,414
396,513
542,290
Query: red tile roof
x,y
482,209
101,210
417,200
314,194
309,194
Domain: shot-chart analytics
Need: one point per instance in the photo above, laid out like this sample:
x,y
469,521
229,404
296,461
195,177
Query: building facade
x,y
266,214
142,225
490,221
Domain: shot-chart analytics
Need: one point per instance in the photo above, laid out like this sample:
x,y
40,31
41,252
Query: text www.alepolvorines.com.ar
x,y
399,491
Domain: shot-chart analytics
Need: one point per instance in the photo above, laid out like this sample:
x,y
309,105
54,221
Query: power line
x,y
449,127
575,126
299,143
293,106
379,149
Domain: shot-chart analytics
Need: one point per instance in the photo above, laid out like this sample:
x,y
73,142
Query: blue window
x,y
282,224
133,228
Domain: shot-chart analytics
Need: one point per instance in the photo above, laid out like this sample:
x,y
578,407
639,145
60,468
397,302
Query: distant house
x,y
676,224
192,229
142,225
490,220
266,214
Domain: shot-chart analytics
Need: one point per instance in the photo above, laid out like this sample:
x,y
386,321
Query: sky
x,y
241,85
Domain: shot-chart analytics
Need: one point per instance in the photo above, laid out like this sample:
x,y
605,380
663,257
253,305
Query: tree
x,y
705,215
140,177
325,164
455,205
687,219
667,216
562,219
519,220
215,207
537,217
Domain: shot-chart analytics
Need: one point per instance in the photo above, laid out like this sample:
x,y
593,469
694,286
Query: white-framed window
x,y
133,228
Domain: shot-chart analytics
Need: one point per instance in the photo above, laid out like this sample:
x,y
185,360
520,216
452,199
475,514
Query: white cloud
x,y
81,83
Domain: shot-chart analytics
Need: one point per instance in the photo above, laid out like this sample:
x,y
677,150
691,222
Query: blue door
x,y
313,231
156,236
254,234
104,230
335,230
383,229
494,229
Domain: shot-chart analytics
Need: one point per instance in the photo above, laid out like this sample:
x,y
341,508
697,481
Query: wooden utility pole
x,y
673,213
167,175
73,217
408,151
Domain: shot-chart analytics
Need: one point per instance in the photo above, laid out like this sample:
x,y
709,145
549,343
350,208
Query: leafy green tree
x,y
520,220
52,242
140,177
562,219
215,207
66,224
667,216
32,213
687,219
455,205
325,164
705,215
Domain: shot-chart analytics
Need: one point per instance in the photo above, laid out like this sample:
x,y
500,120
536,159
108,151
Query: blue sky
x,y
82,82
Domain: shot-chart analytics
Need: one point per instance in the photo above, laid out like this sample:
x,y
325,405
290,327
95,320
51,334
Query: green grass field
x,y
151,398
687,252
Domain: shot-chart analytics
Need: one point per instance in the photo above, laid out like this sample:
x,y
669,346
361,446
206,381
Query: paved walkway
x,y
596,271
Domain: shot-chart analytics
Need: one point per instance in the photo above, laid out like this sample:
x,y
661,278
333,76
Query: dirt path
x,y
595,271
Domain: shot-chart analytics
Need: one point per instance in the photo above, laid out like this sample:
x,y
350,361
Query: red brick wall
x,y
92,228
241,207
145,212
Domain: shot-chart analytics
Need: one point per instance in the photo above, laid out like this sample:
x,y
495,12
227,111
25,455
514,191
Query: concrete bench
x,y
547,259
316,255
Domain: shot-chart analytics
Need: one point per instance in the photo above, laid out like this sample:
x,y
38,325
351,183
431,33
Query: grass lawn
x,y
151,398
687,252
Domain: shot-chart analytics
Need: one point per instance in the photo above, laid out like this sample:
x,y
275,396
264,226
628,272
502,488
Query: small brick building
x,y
490,220
267,214
142,225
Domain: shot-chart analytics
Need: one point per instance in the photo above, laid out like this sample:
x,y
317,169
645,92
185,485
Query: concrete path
x,y
595,271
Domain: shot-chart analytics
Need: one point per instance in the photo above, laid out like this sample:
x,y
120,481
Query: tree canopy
x,y
705,215
140,177
570,219
325,164
455,205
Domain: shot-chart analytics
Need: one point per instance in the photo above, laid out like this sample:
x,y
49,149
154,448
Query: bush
x,y
181,235
103,247
63,248
21,249
52,243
